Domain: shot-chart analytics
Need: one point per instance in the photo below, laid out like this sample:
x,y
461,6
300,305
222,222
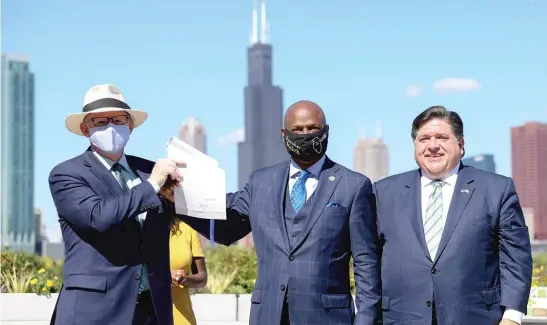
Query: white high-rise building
x,y
370,157
193,133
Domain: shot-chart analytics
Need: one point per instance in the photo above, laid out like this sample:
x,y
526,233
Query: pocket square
x,y
333,205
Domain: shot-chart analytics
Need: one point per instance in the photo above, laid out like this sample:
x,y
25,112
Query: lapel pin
x,y
332,178
465,191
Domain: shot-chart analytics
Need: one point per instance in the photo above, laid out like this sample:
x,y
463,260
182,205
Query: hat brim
x,y
74,121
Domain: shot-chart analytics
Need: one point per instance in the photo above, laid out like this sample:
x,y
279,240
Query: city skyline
x,y
371,62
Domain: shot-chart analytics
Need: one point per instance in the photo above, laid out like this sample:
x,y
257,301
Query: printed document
x,y
203,188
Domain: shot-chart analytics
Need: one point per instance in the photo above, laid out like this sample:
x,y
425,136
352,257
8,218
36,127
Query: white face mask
x,y
110,138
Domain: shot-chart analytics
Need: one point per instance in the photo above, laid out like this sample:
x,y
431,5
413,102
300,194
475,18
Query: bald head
x,y
305,133
304,116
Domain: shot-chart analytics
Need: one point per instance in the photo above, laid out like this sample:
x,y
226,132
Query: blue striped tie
x,y
298,193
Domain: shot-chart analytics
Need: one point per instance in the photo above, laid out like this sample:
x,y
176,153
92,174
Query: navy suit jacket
x,y
315,272
483,264
104,243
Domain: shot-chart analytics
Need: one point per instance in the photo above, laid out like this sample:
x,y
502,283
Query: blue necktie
x,y
298,193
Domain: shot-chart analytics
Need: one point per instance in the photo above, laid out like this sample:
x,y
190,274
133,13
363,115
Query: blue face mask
x,y
110,138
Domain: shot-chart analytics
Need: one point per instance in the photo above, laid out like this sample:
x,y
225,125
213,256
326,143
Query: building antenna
x,y
254,30
263,22
362,131
378,129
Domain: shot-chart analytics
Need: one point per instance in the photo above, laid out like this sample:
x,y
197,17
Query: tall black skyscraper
x,y
263,145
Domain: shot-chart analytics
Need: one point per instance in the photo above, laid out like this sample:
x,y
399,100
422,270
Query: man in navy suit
x,y
114,224
455,249
308,216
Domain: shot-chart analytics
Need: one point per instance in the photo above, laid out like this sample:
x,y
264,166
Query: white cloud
x,y
54,235
232,138
447,85
413,91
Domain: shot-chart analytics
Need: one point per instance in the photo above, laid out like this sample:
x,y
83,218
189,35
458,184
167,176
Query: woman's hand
x,y
178,277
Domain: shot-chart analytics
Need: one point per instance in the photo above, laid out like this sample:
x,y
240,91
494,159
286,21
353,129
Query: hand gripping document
x,y
202,193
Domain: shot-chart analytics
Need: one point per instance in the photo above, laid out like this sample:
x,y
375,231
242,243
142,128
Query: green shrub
x,y
29,273
230,269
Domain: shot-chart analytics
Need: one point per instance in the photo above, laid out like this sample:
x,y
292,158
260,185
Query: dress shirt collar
x,y
450,178
314,170
107,163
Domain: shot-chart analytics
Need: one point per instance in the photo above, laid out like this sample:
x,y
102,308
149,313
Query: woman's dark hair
x,y
175,227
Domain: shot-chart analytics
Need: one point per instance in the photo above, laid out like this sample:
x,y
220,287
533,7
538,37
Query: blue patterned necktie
x,y
298,193
117,169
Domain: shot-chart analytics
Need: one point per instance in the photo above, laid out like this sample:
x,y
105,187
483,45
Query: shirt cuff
x,y
513,315
154,185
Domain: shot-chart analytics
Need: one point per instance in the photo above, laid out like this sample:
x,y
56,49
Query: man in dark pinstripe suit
x,y
308,216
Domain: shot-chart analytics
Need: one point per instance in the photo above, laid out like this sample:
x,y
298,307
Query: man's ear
x,y
130,126
462,147
85,129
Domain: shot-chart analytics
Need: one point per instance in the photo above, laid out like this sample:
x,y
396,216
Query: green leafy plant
x,y
16,281
231,269
28,273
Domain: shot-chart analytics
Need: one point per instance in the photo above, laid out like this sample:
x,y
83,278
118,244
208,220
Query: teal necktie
x,y
117,169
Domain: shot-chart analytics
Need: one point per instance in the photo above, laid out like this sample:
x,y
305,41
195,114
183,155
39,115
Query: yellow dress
x,y
184,246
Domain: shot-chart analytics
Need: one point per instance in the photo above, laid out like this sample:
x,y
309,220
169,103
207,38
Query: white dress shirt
x,y
131,178
313,179
448,192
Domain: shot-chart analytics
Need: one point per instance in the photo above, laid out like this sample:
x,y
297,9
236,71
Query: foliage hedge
x,y
231,270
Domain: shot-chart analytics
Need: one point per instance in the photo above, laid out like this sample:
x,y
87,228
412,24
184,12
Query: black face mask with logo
x,y
308,147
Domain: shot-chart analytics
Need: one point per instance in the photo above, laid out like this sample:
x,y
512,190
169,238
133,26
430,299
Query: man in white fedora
x,y
115,222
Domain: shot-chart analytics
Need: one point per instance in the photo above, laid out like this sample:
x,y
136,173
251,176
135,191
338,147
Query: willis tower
x,y
263,144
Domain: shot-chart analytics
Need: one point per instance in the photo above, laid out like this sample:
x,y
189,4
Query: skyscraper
x,y
17,155
193,133
263,145
484,162
529,169
370,157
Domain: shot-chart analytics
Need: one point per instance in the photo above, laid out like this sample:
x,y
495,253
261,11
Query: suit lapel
x,y
328,180
280,183
462,194
132,163
102,173
412,194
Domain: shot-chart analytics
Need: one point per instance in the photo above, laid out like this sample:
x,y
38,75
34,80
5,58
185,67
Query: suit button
x,y
282,287
137,276
428,303
291,258
293,235
434,271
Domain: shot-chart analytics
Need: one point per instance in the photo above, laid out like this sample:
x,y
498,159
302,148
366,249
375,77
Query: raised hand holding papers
x,y
203,189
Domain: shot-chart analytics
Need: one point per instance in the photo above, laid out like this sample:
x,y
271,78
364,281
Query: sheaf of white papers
x,y
203,190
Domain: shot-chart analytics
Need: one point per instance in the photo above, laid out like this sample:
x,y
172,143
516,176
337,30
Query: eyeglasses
x,y
117,120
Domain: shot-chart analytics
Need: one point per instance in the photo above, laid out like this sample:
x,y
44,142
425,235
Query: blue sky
x,y
362,61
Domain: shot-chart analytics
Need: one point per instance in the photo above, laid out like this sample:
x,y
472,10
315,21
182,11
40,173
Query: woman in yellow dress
x,y
187,270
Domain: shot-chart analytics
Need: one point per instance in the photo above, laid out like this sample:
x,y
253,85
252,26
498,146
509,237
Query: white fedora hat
x,y
103,98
